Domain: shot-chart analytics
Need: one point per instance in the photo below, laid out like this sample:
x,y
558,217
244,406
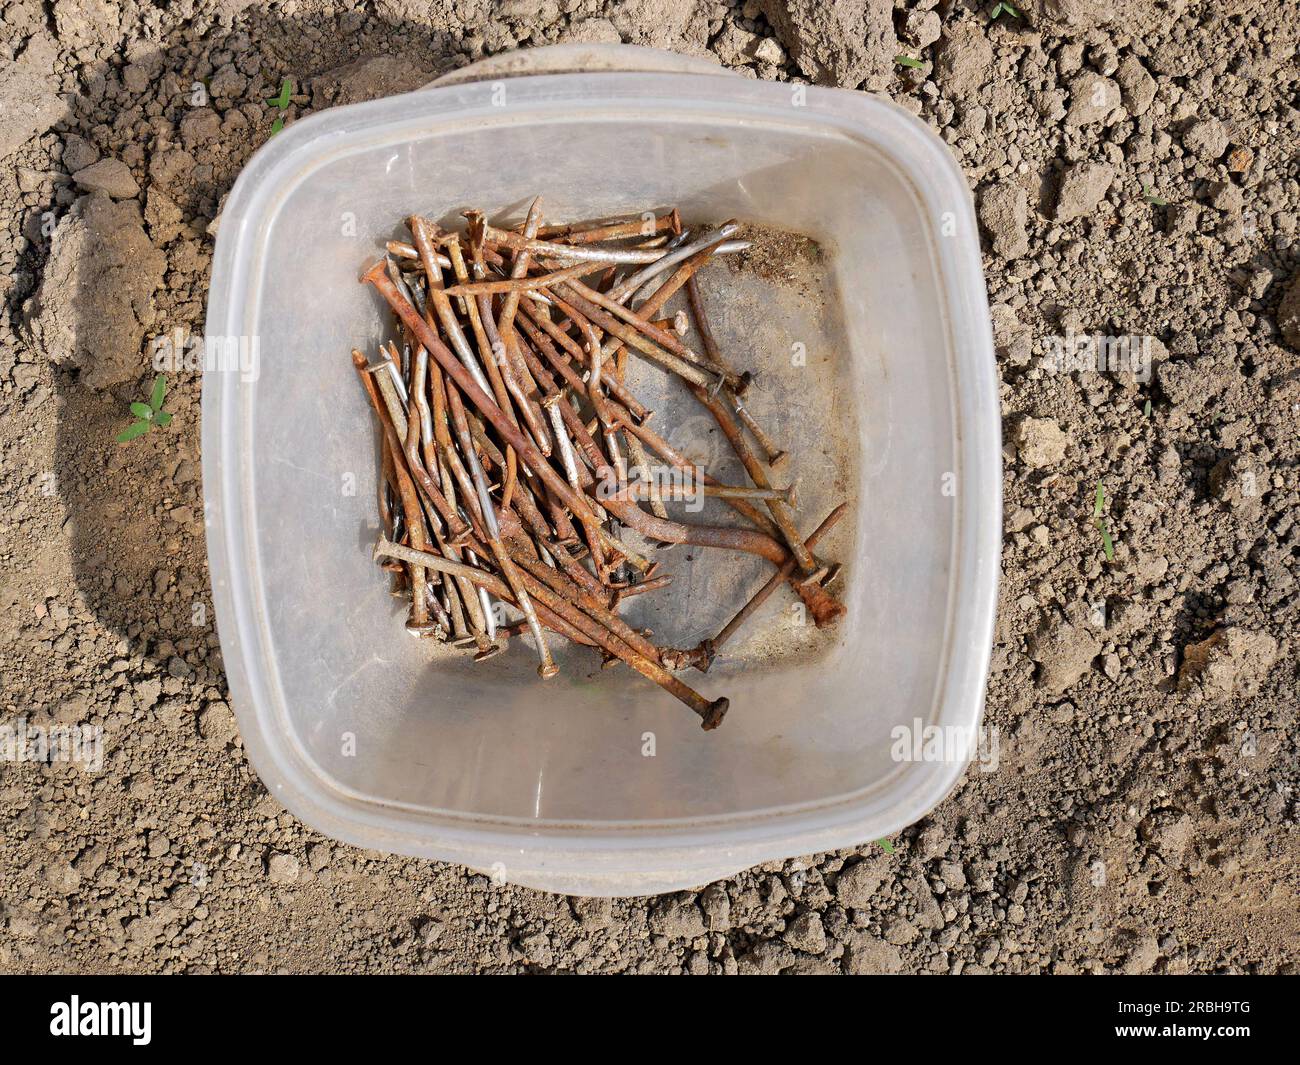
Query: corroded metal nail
x,y
782,575
590,252
629,285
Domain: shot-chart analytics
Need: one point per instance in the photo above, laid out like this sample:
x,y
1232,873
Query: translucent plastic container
x,y
598,782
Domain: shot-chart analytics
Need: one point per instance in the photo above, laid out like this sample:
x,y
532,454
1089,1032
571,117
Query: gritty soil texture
x,y
778,256
1134,166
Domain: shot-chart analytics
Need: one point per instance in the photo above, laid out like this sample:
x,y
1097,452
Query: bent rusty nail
x,y
520,286
781,513
625,288
727,247
776,580
590,252
519,268
673,532
591,231
776,457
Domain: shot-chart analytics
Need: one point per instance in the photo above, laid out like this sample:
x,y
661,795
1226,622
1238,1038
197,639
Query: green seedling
x,y
886,846
1003,9
282,102
148,414
1098,506
286,94
1146,410
908,61
1152,198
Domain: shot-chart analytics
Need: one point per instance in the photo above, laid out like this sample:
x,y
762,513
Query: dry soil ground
x,y
1135,167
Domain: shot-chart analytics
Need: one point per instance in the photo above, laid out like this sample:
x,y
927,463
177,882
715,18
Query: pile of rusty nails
x,y
506,417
